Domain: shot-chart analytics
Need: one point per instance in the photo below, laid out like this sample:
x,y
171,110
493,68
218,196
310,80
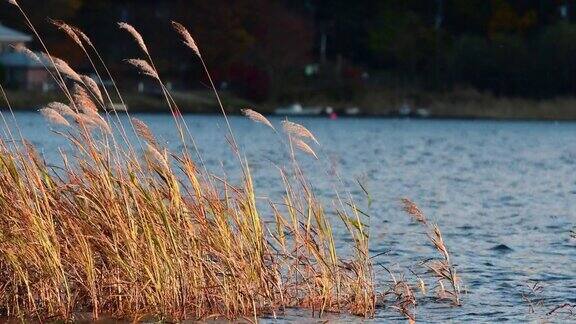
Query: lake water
x,y
503,193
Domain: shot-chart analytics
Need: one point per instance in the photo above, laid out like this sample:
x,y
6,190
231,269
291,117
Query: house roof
x,y
11,35
17,59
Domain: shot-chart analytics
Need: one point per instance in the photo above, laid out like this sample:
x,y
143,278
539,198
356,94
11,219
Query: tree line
x,y
263,48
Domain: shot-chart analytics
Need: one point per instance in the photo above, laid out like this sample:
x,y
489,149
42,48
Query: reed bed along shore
x,y
127,229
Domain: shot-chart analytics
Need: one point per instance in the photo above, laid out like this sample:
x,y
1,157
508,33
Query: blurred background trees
x,y
267,49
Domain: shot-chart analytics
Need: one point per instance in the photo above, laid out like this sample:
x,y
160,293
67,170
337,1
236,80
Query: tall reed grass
x,y
115,231
126,228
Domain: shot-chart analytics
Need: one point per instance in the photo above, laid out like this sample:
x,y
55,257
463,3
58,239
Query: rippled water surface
x,y
503,193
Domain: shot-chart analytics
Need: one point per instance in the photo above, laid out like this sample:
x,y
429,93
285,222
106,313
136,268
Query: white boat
x,y
352,111
423,112
405,110
118,106
297,109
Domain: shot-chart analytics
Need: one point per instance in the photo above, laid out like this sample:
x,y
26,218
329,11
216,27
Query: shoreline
x,y
385,105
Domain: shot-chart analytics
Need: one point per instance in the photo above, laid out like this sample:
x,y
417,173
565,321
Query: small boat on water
x,y
423,112
118,107
352,111
296,109
405,110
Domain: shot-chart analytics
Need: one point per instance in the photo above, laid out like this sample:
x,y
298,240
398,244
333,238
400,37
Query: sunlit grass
x,y
129,229
123,227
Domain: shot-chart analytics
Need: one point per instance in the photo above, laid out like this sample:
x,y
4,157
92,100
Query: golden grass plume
x,y
53,116
186,37
93,87
144,67
144,131
132,31
62,109
298,130
121,234
257,117
302,146
68,30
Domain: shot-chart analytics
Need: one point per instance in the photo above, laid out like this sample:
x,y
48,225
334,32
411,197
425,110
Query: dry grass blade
x,y
565,306
33,153
93,87
438,242
100,123
406,301
26,51
107,232
54,117
144,67
157,156
186,37
257,117
65,69
302,146
68,30
82,35
83,101
87,122
62,109
298,130
144,131
412,209
443,269
132,31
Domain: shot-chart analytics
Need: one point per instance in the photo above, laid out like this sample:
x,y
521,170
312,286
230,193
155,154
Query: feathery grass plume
x,y
26,51
144,131
531,297
405,300
81,34
301,145
33,153
144,67
83,101
412,209
93,87
13,2
132,31
438,242
62,109
84,121
186,37
257,117
108,234
53,116
298,130
443,269
100,123
68,30
65,69
157,156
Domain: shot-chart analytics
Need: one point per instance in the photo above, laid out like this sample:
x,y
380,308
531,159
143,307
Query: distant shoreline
x,y
380,116
447,106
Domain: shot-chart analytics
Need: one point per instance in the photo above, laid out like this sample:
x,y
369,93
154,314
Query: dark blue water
x,y
503,193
